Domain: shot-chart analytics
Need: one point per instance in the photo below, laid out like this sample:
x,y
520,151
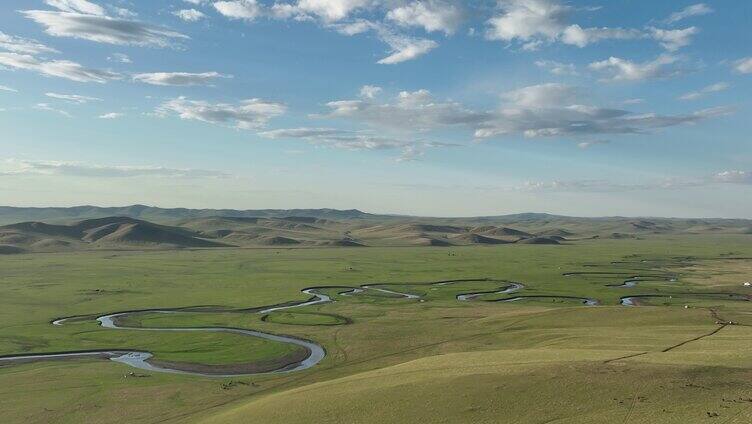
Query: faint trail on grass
x,y
670,348
722,323
607,361
632,405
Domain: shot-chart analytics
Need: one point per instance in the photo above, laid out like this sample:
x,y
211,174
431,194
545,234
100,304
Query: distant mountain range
x,y
9,214
142,227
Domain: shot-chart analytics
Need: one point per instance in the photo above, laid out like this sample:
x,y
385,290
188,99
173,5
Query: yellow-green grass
x,y
467,361
302,318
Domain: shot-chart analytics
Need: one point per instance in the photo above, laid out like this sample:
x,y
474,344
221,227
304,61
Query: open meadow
x,y
656,330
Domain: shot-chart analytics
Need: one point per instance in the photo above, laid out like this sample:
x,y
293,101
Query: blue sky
x,y
431,107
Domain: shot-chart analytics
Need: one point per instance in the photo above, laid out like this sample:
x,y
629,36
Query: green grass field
x,y
546,358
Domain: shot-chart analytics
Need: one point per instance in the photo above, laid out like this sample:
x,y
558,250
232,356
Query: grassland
x,y
391,359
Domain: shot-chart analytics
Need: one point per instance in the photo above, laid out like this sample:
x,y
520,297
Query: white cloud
x,y
78,169
304,132
111,115
285,11
48,108
189,15
77,6
351,140
550,110
56,68
557,68
239,9
369,91
73,98
332,10
635,101
743,66
356,27
248,114
669,183
578,120
604,186
119,57
588,144
123,12
619,69
23,45
414,111
673,40
698,9
431,15
103,29
553,110
713,88
734,177
404,48
532,23
542,96
581,37
528,21
178,78
6,88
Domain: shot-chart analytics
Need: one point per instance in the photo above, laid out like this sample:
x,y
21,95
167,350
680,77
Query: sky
x,y
423,107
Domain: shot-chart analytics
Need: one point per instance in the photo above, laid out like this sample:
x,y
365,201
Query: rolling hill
x,y
298,228
110,232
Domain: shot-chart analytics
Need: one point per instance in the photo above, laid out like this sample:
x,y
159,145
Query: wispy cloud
x,y
120,58
734,177
402,47
56,68
713,88
670,183
698,9
618,69
87,21
351,140
431,15
551,110
604,185
48,108
77,6
534,23
743,66
673,39
6,88
189,15
537,111
247,10
409,110
111,115
73,98
23,45
79,169
557,68
588,144
179,78
247,114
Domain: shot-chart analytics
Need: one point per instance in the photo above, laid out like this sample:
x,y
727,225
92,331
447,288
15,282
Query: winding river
x,y
142,359
511,288
584,300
